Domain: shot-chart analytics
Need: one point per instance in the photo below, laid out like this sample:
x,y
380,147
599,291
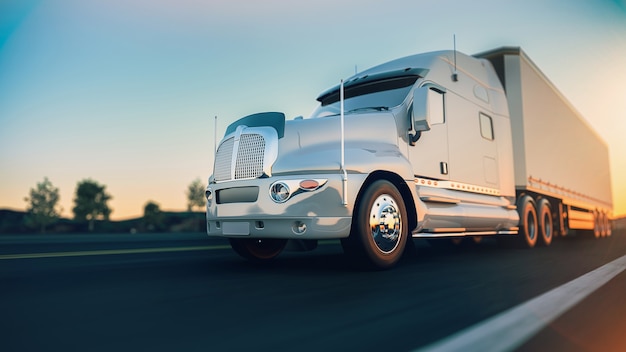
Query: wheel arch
x,y
403,188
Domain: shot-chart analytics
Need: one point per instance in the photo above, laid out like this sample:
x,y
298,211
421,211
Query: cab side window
x,y
486,127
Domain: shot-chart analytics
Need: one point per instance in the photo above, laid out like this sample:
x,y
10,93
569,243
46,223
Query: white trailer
x,y
438,145
558,156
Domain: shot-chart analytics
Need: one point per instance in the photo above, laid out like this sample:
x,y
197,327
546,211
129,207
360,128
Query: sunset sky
x,y
124,91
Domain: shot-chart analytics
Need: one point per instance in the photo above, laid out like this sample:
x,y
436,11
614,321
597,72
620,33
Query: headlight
x,y
279,191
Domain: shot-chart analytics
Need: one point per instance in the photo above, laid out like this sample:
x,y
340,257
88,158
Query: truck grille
x,y
249,161
250,156
223,160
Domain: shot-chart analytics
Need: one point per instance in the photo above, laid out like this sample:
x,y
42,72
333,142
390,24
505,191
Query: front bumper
x,y
315,214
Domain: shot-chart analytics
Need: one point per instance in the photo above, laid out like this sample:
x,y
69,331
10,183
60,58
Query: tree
x,y
152,216
91,202
195,195
43,208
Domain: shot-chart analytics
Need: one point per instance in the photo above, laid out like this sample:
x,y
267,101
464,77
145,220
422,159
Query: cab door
x,y
472,145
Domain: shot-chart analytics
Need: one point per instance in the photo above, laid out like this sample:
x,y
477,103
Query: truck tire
x,y
258,249
527,236
546,224
597,225
379,227
607,221
603,224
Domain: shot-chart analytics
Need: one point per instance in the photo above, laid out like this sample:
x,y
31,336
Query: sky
x,y
125,92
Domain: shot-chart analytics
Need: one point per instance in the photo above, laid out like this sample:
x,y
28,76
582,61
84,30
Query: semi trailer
x,y
441,145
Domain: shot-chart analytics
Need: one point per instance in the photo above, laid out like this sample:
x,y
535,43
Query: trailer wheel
x,y
546,226
607,225
379,229
601,224
597,224
258,249
527,236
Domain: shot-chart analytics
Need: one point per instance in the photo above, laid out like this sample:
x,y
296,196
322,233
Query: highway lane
x,y
209,299
31,243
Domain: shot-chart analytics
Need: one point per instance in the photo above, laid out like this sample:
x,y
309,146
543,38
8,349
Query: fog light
x,y
299,228
279,191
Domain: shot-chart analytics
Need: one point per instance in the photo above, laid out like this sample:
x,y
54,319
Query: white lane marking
x,y
511,328
109,252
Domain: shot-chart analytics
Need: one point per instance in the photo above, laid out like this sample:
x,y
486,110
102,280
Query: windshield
x,y
380,95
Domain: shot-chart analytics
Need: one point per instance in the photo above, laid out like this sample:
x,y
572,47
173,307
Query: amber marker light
x,y
309,185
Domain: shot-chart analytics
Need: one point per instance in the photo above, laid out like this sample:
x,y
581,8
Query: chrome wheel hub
x,y
385,223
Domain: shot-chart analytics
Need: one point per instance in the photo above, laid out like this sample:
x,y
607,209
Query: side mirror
x,y
421,117
428,107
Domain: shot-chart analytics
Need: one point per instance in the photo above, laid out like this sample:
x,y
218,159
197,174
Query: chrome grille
x,y
250,152
250,156
223,160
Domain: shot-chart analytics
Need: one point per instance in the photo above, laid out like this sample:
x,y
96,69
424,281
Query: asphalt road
x,y
186,292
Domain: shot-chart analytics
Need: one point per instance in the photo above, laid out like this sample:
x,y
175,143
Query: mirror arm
x,y
414,136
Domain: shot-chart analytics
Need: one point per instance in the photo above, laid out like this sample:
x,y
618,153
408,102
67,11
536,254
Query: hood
x,y
314,145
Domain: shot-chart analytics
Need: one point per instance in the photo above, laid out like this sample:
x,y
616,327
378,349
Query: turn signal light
x,y
309,185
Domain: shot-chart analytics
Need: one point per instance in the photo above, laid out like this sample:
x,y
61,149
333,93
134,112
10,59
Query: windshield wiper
x,y
377,108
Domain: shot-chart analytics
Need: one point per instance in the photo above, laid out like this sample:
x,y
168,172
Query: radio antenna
x,y
344,177
215,134
455,75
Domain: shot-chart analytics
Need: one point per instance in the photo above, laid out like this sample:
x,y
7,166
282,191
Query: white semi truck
x,y
439,145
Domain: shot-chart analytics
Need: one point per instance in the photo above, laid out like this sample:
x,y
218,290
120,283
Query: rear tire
x,y
597,226
546,225
258,249
379,227
527,236
607,221
603,224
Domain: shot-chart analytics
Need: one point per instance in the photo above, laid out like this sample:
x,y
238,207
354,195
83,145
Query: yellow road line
x,y
122,251
110,252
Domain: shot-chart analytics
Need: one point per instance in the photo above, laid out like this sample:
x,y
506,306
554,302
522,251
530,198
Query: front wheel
x,y
380,227
258,249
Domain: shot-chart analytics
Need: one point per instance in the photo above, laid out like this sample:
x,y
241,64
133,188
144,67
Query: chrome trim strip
x,y
457,186
435,199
